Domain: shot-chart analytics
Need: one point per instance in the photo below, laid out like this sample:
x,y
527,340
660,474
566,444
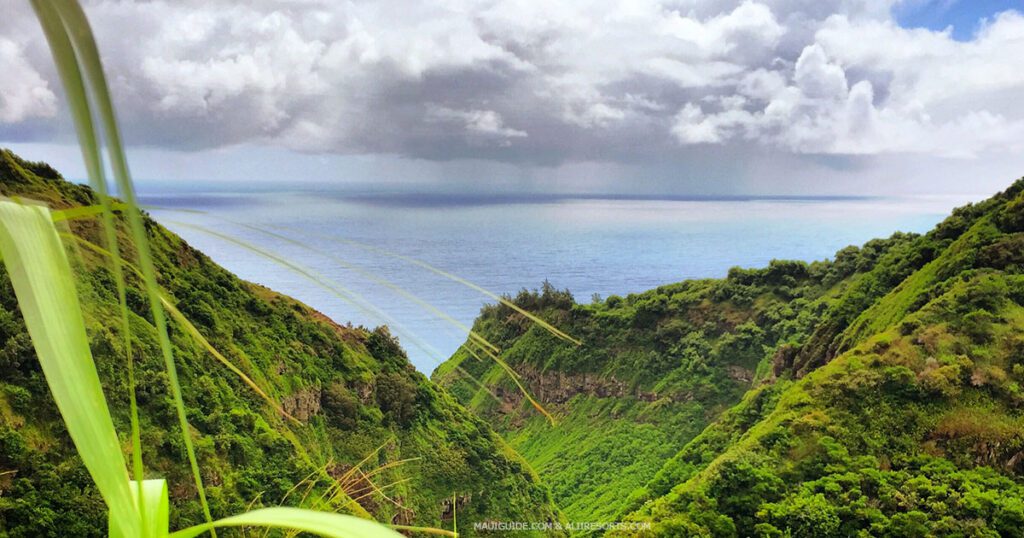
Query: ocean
x,y
589,244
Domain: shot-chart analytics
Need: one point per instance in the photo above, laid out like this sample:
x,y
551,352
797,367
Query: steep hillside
x,y
653,370
877,394
352,390
908,421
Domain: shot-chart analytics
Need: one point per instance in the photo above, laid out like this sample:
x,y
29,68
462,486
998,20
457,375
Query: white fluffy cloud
x,y
528,81
24,94
941,96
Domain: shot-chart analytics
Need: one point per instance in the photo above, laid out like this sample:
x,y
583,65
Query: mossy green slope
x,y
908,421
873,394
654,369
351,388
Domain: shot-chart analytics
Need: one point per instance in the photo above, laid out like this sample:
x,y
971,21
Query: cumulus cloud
x,y
24,94
941,97
540,82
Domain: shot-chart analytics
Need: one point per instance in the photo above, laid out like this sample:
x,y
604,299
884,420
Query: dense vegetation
x,y
366,419
876,394
653,371
912,425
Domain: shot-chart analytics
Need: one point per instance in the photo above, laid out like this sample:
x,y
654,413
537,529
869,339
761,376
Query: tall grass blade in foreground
x,y
484,345
45,288
328,284
154,510
348,295
185,324
74,85
75,52
408,259
370,275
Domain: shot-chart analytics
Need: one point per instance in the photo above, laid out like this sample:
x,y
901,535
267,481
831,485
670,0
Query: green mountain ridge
x,y
398,447
659,366
875,394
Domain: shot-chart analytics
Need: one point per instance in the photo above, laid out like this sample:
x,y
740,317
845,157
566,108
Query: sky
x,y
645,96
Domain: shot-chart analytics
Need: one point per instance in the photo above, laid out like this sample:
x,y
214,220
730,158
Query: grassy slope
x,y
908,422
352,387
660,365
890,365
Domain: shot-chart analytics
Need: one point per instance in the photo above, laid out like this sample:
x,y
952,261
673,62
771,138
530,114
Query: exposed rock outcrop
x,y
554,387
303,403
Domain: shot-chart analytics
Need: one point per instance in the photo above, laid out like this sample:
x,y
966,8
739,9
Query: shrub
x,y
977,326
340,406
396,396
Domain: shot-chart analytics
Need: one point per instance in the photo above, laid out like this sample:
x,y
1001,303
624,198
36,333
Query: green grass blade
x,y
414,261
77,30
455,278
352,297
45,289
473,335
189,328
321,523
199,338
156,522
480,341
514,376
85,211
331,286
71,77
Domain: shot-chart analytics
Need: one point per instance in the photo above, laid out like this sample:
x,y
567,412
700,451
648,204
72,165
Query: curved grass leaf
x,y
321,523
347,295
408,259
198,337
352,297
331,286
71,77
45,289
78,62
519,384
455,278
156,518
190,329
473,335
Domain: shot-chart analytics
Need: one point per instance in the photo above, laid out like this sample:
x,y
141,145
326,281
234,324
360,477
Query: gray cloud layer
x,y
537,82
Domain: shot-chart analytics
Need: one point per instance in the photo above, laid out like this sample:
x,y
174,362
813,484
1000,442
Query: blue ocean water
x,y
588,244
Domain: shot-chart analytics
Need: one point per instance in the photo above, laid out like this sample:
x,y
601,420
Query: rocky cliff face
x,y
303,404
556,387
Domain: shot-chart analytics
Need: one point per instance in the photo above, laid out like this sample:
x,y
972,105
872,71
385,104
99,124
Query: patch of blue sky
x,y
965,17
